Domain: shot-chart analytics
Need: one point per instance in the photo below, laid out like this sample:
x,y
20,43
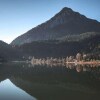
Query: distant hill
x,y
7,52
66,22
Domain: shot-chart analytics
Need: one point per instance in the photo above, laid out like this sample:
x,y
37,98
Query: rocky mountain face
x,y
66,22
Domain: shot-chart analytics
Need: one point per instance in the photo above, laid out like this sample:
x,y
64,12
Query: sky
x,y
19,16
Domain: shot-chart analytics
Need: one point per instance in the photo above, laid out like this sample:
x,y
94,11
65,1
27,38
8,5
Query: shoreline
x,y
85,63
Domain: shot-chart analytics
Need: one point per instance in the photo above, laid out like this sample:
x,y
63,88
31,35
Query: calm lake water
x,y
21,81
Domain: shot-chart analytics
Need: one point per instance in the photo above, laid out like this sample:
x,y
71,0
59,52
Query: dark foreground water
x,y
20,81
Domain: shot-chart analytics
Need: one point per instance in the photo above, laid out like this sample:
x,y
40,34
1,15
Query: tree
x,y
78,57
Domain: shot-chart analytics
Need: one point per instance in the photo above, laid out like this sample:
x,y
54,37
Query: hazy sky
x,y
19,16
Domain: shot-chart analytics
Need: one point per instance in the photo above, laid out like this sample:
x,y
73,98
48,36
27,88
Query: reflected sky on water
x,y
8,91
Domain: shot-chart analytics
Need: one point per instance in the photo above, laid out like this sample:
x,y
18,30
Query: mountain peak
x,y
66,12
66,9
66,22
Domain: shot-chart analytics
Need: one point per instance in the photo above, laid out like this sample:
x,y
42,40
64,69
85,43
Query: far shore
x,y
85,63
68,62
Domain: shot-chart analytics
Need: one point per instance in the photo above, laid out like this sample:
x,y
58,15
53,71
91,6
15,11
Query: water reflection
x,y
54,82
79,67
8,91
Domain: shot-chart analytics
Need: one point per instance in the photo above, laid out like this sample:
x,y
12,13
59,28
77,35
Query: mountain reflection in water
x,y
54,82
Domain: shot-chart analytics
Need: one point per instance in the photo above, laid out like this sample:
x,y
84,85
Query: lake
x,y
24,81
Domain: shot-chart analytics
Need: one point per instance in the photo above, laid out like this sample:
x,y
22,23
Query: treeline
x,y
79,37
56,48
79,57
